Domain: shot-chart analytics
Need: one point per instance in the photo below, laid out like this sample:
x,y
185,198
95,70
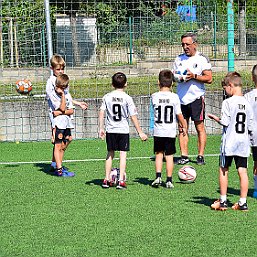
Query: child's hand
x,y
83,105
59,90
143,136
212,116
102,134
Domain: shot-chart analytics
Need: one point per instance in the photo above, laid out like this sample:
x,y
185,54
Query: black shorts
x,y
62,135
254,153
117,142
194,110
164,144
226,161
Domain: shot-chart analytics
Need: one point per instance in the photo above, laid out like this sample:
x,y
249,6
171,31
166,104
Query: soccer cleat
x,y
157,182
200,160
106,183
64,173
255,193
238,207
183,161
169,185
219,206
122,185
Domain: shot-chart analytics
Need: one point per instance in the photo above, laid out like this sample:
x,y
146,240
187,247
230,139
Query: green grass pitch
x,y
43,215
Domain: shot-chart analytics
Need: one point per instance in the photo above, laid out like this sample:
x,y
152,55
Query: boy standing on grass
x,y
167,109
237,121
62,109
252,99
118,107
57,66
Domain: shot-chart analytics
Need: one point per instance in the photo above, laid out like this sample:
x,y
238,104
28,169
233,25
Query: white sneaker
x,y
169,185
157,182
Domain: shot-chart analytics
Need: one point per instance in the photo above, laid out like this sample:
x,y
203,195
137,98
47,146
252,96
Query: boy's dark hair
x,y
119,80
234,78
190,34
166,78
62,81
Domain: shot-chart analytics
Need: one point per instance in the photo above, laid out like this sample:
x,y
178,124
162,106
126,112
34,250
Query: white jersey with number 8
x,y
237,119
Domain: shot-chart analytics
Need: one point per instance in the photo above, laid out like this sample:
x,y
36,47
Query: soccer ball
x,y
23,86
178,77
115,176
187,174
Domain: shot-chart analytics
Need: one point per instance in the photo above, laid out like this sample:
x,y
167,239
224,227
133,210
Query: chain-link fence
x,y
98,38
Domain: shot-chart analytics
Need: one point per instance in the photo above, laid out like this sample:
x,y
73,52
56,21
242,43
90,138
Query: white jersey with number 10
x,y
166,107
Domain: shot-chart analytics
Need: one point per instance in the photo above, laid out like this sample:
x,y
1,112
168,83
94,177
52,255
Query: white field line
x,y
90,160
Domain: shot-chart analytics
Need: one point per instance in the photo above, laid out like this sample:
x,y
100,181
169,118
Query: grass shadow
x,y
143,181
96,182
44,167
207,201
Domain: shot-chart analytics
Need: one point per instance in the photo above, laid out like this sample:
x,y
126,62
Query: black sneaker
x,y
200,160
183,161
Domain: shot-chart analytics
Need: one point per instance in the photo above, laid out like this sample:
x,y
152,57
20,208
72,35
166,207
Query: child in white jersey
x,y
57,66
61,105
118,107
167,110
252,98
237,121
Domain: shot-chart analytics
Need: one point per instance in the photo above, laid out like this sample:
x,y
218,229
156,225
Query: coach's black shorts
x,y
164,144
226,161
62,135
117,142
194,110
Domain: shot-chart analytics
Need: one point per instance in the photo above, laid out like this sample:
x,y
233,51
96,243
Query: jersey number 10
x,y
168,114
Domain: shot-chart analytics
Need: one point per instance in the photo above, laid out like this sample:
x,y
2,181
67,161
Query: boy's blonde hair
x,y
56,60
233,78
62,81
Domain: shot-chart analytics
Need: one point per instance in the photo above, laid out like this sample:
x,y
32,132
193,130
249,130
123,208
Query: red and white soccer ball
x,y
187,174
23,86
115,175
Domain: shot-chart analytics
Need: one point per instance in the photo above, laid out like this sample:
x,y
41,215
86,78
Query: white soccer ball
x,y
187,174
115,176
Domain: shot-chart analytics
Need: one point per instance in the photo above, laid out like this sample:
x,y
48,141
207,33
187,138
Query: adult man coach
x,y
192,70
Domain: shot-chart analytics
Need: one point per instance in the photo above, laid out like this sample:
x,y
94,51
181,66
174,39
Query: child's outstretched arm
x,y
141,134
214,117
82,105
101,125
